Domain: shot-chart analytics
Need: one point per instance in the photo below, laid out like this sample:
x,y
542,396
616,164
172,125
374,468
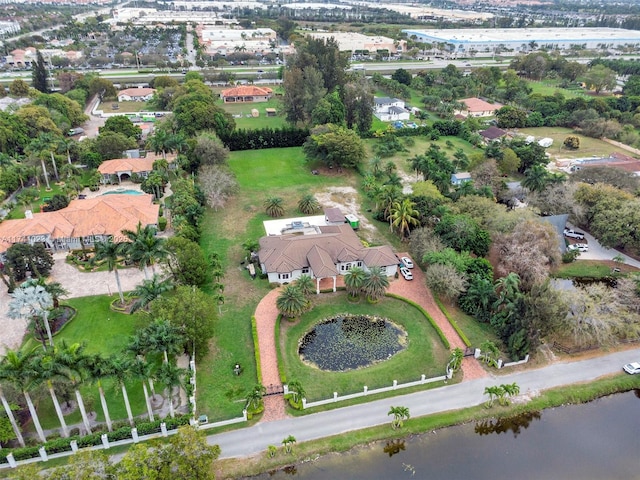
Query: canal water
x,y
595,441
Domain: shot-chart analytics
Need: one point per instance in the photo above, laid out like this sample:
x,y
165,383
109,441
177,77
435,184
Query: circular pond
x,y
346,342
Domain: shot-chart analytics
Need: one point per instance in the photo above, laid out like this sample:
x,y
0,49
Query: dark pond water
x,y
572,284
596,441
351,341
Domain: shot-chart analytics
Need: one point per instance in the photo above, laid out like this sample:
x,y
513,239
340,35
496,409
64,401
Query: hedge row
x,y
453,323
283,375
440,333
265,138
256,348
64,444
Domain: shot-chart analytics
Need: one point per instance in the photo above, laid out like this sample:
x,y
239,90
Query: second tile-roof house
x,y
123,168
476,107
331,252
81,223
245,94
136,94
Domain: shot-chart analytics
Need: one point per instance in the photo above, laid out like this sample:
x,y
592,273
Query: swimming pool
x,y
124,192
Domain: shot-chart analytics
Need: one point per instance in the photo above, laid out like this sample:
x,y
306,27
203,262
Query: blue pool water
x,y
124,192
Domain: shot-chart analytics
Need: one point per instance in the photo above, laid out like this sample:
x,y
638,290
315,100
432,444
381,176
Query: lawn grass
x,y
583,269
242,114
588,146
260,173
423,355
18,210
104,332
477,332
124,107
550,88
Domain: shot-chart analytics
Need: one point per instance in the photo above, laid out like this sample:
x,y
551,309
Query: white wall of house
x,y
392,117
342,269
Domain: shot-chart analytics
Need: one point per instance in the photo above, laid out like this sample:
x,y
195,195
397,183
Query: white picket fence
x,y
365,391
501,364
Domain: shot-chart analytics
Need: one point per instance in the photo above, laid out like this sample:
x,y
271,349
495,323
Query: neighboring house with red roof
x,y
124,168
333,251
141,94
475,107
81,223
246,94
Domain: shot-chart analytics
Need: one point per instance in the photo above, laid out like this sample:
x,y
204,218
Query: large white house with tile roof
x,y
325,252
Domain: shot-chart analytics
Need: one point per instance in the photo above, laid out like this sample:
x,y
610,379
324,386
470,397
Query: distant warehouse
x,y
496,40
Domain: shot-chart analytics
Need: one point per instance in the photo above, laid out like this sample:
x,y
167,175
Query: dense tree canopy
x,y
334,146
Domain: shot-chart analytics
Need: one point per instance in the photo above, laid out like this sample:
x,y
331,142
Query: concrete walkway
x,y
255,439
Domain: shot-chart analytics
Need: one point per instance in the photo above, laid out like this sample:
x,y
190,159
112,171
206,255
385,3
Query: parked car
x,y
573,234
581,247
406,273
406,262
632,368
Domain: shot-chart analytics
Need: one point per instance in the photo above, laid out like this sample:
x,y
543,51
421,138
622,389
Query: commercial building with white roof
x,y
521,39
351,41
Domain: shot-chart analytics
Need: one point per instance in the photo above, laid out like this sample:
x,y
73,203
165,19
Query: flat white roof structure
x,y
351,41
296,225
424,12
519,39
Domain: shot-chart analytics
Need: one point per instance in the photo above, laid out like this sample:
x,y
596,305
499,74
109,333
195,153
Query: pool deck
x,y
111,188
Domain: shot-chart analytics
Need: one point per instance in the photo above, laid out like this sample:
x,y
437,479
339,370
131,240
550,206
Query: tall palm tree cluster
x,y
293,301
372,283
144,248
66,368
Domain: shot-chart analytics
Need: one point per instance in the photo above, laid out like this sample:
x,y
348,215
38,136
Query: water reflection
x,y
594,441
511,424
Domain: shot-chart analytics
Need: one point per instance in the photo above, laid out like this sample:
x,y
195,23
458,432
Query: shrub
x,y
572,142
256,347
162,223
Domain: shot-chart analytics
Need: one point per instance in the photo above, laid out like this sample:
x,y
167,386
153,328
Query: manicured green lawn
x,y
549,87
18,210
124,107
588,146
583,268
423,355
244,119
260,173
104,332
477,332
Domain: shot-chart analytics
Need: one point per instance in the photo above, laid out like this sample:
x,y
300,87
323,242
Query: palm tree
x,y
291,302
288,443
354,281
254,397
17,368
170,376
403,216
273,207
296,390
121,372
98,369
536,178
74,366
305,284
493,392
32,302
455,360
149,290
511,389
308,204
165,337
160,142
375,164
142,370
55,289
49,369
145,247
12,418
400,414
387,197
375,284
508,286
111,253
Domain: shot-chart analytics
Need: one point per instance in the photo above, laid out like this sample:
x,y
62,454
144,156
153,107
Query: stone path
x,y
78,284
417,291
266,314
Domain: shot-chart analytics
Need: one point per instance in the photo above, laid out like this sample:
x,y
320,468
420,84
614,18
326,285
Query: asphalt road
x,y
599,252
255,439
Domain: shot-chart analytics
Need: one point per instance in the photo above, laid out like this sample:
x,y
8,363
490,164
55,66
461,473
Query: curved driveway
x,y
598,252
255,439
